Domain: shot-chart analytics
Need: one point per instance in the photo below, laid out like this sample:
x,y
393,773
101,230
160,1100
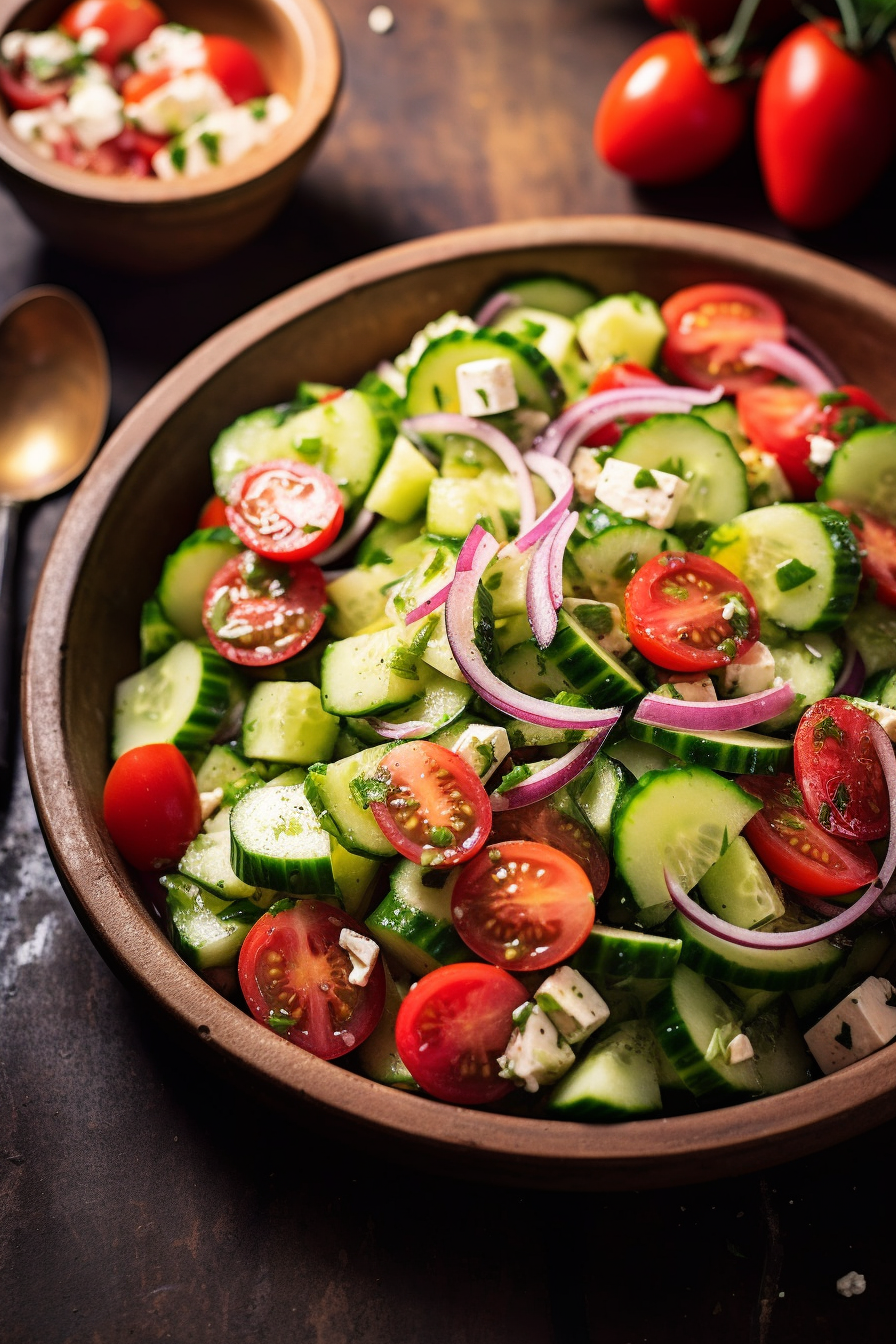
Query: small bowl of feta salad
x,y
150,111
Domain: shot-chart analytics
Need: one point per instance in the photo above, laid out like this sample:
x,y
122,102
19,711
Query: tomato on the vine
x,y
710,326
257,612
127,22
623,373
430,804
687,613
877,547
151,806
285,510
839,773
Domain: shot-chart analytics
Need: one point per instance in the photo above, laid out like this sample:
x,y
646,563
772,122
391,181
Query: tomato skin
x,y
128,23
273,503
428,775
296,952
545,825
142,83
712,17
825,125
451,1028
779,831
291,601
839,772
624,373
662,119
24,93
877,547
710,326
213,513
673,612
151,806
235,67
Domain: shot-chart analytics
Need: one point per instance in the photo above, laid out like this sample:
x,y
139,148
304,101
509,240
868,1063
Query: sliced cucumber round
x,y
277,842
863,472
734,753
872,628
180,698
328,789
618,954
811,665
601,794
556,293
414,923
432,383
260,436
686,446
615,1081
607,558
756,967
188,572
441,702
689,1019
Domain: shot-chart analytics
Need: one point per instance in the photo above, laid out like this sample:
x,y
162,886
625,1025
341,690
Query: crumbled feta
x,y
753,671
573,1005
380,20
766,481
210,802
740,1049
821,450
91,40
175,106
650,496
363,953
486,387
483,747
421,340
881,714
586,472
171,47
221,138
697,689
851,1284
40,128
95,112
12,46
861,1023
536,1056
45,54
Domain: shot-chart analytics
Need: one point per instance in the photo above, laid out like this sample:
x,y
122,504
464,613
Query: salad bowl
x,y
142,496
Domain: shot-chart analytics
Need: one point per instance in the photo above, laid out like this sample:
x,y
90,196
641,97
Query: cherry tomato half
x,y
213,514
547,826
151,806
128,23
235,67
142,83
285,510
452,1027
523,906
877,547
624,373
709,328
839,772
257,612
23,92
435,809
795,848
674,613
295,979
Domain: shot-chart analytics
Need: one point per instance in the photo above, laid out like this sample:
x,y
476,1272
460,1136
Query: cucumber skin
x,y
676,1043
420,403
727,758
311,876
706,961
440,942
576,657
597,958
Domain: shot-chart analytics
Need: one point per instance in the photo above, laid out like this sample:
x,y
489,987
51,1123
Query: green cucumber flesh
x,y
811,665
556,293
621,326
414,923
284,721
367,674
870,946
157,634
573,662
687,446
738,889
328,790
221,766
872,628
863,472
441,703
602,793
734,753
608,559
615,1081
781,1057
180,698
207,863
722,415
260,436
378,1055
208,933
384,539
187,573
619,954
277,842
640,757
754,967
347,438
686,1016
432,385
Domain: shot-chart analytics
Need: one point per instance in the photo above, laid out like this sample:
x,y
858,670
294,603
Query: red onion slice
x,y
495,306
798,337
559,479
554,777
350,538
540,607
402,731
439,599
506,449
478,550
852,678
783,359
803,937
720,716
561,535
614,404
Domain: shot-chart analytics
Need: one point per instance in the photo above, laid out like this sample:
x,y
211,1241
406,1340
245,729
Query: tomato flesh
x,y
295,979
710,326
546,825
214,513
256,613
624,373
285,510
839,773
24,93
235,67
453,1026
795,848
433,808
128,23
151,806
877,547
674,613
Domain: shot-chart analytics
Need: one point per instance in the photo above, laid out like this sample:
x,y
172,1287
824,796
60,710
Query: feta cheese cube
x,y
740,1049
586,472
483,747
95,112
754,671
171,47
861,1023
536,1056
687,688
573,1005
821,450
210,802
175,106
40,128
851,1284
91,40
363,953
650,496
486,386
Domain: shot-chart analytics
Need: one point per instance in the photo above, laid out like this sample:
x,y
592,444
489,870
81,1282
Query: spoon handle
x,y
9,526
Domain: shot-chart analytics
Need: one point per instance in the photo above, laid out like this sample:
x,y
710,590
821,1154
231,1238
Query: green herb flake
x,y
645,480
286,903
515,776
530,331
824,729
739,620
792,574
627,566
367,789
824,815
377,558
494,581
404,663
841,798
282,1025
211,143
728,647
178,155
483,396
595,617
832,398
258,107
674,466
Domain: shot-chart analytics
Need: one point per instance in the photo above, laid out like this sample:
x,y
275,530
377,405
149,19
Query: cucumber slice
x,y
432,384
442,702
722,415
385,538
621,954
863,472
207,863
378,1056
402,483
557,339
881,689
738,888
755,967
187,574
368,673
800,562
284,721
640,757
157,634
621,326
276,841
413,924
358,597
455,505
872,628
607,557
687,446
782,1059
812,665
617,1080
353,875
347,438
556,293
574,662
734,753
604,790
683,820
328,790
180,698
221,766
260,436
206,932
689,1018
870,946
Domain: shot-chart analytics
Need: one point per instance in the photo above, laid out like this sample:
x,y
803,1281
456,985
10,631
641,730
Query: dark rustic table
x,y
139,1198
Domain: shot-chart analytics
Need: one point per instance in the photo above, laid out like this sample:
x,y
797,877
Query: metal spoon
x,y
54,401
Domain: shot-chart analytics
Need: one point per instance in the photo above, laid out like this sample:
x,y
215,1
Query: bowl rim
x,y
321,78
555,1153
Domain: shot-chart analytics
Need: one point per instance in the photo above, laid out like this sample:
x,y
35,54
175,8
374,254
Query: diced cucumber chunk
x,y
277,842
187,574
573,662
616,1080
206,932
693,1024
441,702
781,1056
640,757
157,634
734,753
358,599
432,383
608,558
402,484
455,505
754,967
863,959
881,689
180,698
328,789
557,339
686,446
353,875
378,1056
413,924
737,888
385,538
284,721
556,293
622,326
606,785
207,863
367,674
221,766
621,954
872,628
347,438
863,472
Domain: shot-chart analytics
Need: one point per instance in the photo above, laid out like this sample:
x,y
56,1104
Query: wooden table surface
x,y
142,1200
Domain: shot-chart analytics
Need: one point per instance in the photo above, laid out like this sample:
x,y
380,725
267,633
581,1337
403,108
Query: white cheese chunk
x,y
586,472
656,500
573,1005
210,802
486,387
91,40
171,47
861,1023
753,671
175,106
422,340
221,138
766,481
40,128
701,689
536,1056
881,714
483,747
851,1284
95,112
363,953
821,450
740,1049
45,54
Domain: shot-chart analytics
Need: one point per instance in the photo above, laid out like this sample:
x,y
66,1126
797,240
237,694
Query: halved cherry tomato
x,y
142,83
709,328
452,1027
547,826
23,92
795,848
285,510
523,906
151,806
295,979
235,67
673,613
213,514
257,612
624,373
877,547
128,23
839,772
434,809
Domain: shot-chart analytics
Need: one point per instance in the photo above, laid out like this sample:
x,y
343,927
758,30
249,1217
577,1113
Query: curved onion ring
x,y
540,606
506,449
616,402
562,533
495,306
559,479
554,777
720,716
798,337
413,728
783,359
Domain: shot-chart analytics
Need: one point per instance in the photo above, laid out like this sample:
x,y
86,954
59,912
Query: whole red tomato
x,y
711,17
663,118
825,125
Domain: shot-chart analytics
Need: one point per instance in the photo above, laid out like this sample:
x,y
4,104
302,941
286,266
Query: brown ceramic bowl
x,y
157,227
142,496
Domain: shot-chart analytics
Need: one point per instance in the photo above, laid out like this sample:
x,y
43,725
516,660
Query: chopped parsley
x,y
832,398
645,480
824,729
404,663
515,776
211,143
178,155
841,798
367,789
792,574
824,815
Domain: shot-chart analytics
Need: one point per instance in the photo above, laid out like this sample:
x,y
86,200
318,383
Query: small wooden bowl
x,y
142,496
154,227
